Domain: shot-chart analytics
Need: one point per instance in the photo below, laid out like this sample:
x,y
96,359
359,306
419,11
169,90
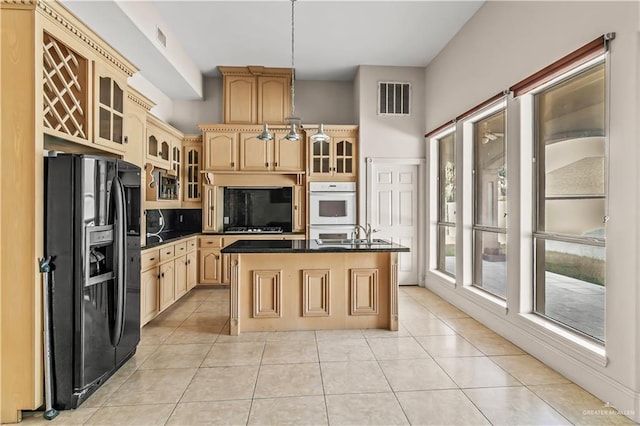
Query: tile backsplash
x,y
173,220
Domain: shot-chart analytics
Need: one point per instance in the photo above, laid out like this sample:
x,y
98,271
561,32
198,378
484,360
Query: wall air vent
x,y
394,98
161,37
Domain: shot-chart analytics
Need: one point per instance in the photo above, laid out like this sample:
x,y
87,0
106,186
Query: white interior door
x,y
392,208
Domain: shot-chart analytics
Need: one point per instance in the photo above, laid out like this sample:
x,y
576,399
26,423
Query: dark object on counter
x,y
92,230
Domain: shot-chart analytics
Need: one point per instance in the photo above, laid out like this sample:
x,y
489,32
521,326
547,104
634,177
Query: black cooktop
x,y
253,230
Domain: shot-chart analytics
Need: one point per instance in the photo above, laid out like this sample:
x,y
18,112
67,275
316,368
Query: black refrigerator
x,y
92,233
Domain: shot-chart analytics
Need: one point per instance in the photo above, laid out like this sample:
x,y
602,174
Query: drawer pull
x,y
152,258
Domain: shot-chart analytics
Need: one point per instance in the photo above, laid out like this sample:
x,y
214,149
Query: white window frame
x,y
529,184
468,190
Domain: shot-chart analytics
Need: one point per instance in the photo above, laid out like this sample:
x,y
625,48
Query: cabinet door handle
x,y
275,164
216,256
152,258
158,277
233,164
162,274
266,164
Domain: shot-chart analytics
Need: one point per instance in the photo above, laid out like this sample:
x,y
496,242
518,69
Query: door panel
x,y
393,210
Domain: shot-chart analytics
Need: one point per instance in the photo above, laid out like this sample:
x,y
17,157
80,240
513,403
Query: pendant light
x,y
294,121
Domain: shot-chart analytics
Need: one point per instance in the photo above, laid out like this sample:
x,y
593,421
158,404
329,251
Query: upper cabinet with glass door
x,y
84,91
191,178
335,159
161,139
110,93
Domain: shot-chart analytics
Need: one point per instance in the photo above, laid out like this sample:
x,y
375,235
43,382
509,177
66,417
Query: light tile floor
x,y
441,368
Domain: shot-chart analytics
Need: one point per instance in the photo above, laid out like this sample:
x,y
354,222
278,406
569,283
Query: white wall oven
x,y
331,232
332,203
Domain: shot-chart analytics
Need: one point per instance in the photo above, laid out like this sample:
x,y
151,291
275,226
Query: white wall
x,y
330,102
188,114
501,44
387,136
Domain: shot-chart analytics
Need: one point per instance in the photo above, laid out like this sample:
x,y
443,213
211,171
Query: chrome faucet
x,y
367,231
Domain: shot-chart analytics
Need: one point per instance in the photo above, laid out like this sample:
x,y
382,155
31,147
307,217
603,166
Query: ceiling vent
x,y
394,98
161,37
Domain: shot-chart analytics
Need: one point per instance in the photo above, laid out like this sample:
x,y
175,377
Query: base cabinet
x,y
167,285
149,307
210,266
192,270
215,267
168,272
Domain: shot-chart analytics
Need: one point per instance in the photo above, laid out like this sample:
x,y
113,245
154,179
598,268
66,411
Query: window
x,y
446,239
489,203
570,199
394,98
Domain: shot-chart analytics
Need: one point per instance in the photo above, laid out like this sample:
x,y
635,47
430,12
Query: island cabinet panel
x,y
316,293
313,291
363,287
267,294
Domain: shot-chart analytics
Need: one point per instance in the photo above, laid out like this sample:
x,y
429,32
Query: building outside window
x,y
570,199
446,243
490,204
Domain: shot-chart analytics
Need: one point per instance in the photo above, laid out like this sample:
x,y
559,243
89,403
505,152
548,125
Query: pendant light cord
x,y
293,69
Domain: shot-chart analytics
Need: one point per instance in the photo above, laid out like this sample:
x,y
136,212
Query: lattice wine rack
x,y
65,88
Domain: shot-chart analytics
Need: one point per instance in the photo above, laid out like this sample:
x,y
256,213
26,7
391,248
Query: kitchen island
x,y
283,285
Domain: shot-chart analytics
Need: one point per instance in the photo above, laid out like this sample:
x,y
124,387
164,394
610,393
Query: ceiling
x,y
332,38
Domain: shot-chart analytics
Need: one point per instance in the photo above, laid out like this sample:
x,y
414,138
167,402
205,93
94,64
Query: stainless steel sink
x,y
350,242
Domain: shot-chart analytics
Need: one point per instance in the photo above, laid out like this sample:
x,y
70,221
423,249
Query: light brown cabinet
x,y
167,285
238,149
191,178
149,306
210,259
47,80
192,269
256,94
209,210
299,203
110,93
161,141
136,110
215,267
220,151
168,273
335,159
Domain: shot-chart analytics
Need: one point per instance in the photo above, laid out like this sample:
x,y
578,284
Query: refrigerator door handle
x,y
121,267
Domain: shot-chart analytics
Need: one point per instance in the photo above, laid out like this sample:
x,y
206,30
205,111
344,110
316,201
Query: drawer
x,y
211,242
180,248
166,253
192,244
149,258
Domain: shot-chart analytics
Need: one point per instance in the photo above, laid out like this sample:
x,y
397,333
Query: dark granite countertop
x,y
167,237
307,246
171,236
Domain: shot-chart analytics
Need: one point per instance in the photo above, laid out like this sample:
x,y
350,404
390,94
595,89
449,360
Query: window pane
x,y
570,285
490,171
447,249
447,178
570,155
490,262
